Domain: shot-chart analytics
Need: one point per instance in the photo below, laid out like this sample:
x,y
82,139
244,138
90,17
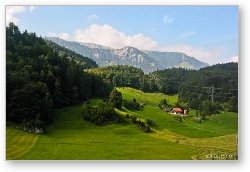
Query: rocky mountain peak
x,y
148,61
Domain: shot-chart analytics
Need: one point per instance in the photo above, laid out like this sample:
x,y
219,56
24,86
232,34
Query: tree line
x,y
193,87
217,84
166,81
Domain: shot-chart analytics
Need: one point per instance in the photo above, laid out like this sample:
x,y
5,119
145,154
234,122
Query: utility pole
x,y
215,93
211,92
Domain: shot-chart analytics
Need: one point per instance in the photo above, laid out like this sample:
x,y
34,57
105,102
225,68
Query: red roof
x,y
177,110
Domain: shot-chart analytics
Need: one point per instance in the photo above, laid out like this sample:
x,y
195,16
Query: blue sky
x,y
209,33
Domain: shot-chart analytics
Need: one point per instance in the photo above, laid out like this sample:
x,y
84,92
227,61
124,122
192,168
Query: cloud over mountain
x,y
108,36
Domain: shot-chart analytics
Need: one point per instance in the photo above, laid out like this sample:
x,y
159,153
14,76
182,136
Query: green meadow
x,y
70,137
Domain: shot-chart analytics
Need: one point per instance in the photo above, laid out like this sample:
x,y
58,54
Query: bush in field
x,y
147,129
103,113
208,108
34,126
133,118
163,104
132,105
144,124
233,104
141,124
115,98
148,121
180,118
120,119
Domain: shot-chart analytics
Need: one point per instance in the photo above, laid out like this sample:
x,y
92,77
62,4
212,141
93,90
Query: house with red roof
x,y
176,111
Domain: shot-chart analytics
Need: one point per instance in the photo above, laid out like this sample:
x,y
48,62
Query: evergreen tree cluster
x,y
217,83
132,105
166,81
40,78
105,111
120,76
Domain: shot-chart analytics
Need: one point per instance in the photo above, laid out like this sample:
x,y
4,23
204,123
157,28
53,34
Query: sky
x,y
208,33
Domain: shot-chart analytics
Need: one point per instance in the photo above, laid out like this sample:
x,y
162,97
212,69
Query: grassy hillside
x,y
70,137
150,99
218,135
216,125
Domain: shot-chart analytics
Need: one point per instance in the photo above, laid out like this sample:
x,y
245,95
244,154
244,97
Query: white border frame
x,y
241,165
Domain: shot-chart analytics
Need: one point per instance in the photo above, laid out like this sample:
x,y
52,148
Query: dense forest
x,y
217,83
121,76
166,81
41,76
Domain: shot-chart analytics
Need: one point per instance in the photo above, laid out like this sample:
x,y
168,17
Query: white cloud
x,y
168,19
109,36
12,11
31,8
185,35
92,17
234,59
62,35
208,55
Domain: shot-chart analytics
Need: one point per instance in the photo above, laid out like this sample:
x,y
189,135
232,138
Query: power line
x,y
212,92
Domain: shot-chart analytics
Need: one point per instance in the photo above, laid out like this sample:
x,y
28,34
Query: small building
x,y
176,111
186,112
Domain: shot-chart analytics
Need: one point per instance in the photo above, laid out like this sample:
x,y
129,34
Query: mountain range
x,y
148,61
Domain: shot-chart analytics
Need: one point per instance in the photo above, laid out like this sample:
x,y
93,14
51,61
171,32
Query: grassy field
x,y
216,136
70,137
150,99
18,142
216,125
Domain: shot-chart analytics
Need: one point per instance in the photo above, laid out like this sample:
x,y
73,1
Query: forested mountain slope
x,y
40,78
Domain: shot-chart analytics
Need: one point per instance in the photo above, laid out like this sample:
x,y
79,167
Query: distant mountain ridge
x,y
148,61
176,59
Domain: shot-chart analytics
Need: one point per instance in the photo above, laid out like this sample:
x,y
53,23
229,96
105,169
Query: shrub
x,y
163,103
133,118
127,115
141,124
103,113
121,120
180,118
34,126
147,129
209,108
115,98
132,105
148,121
